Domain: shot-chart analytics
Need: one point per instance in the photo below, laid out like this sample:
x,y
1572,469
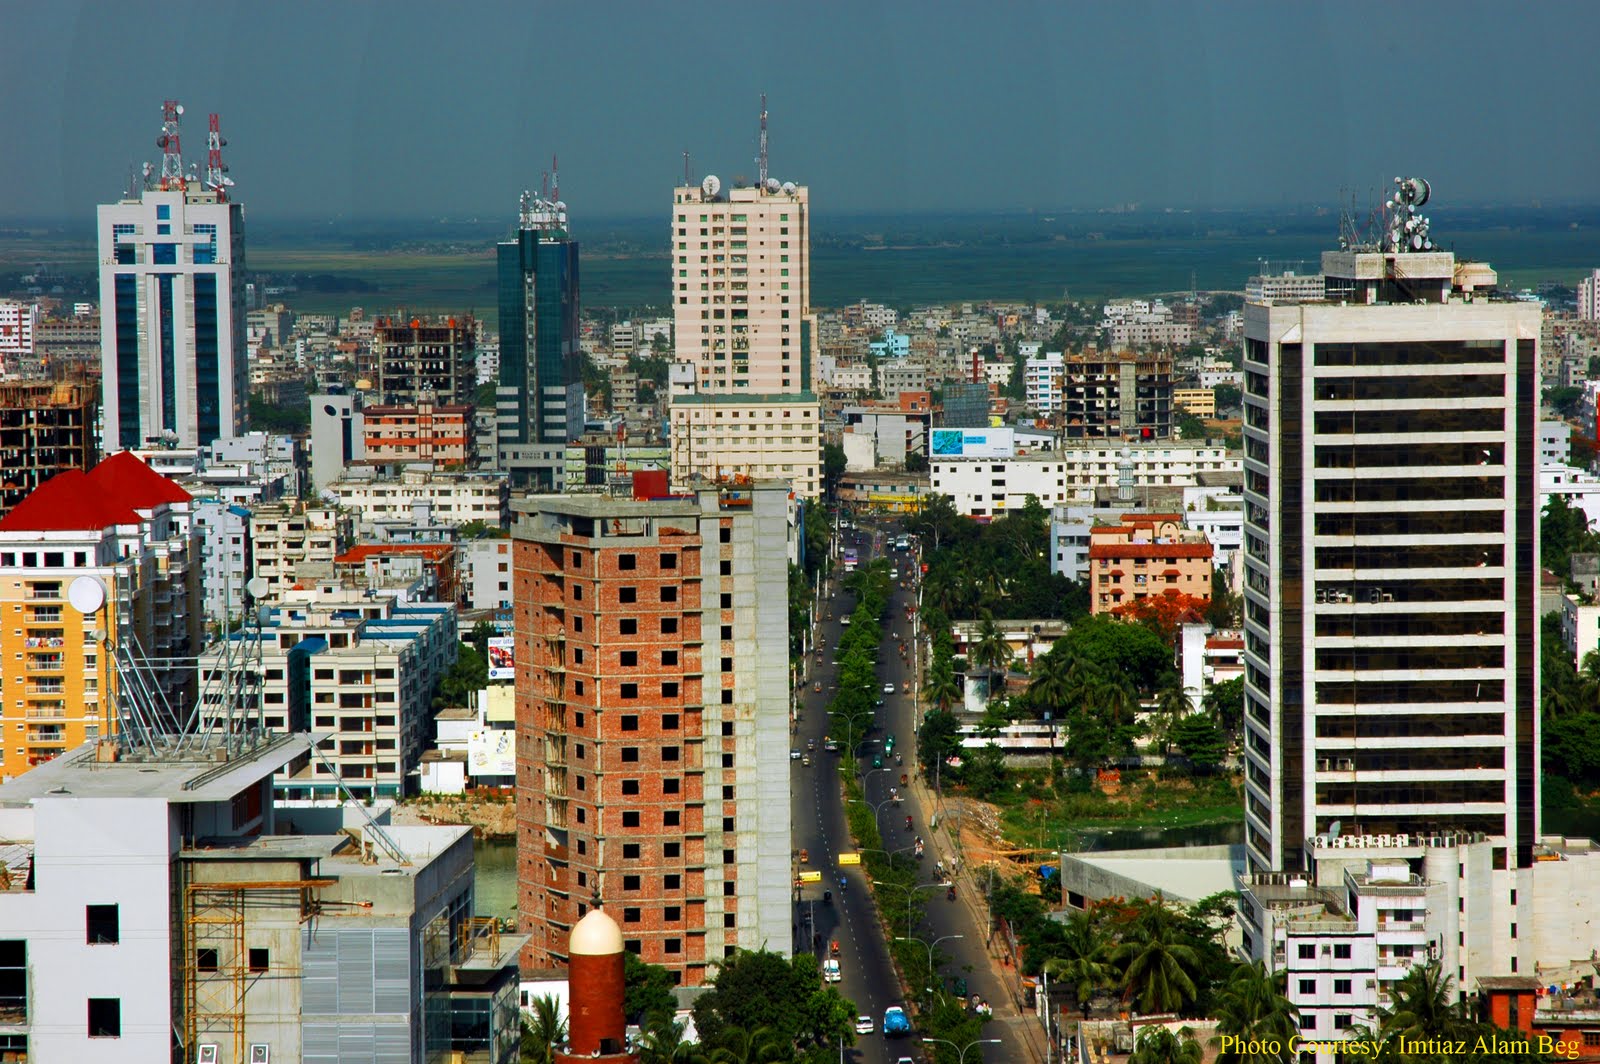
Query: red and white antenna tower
x,y
215,167
761,160
171,152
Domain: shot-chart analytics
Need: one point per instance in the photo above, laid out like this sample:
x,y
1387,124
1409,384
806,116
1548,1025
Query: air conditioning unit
x,y
208,1053
1371,983
1326,949
259,1053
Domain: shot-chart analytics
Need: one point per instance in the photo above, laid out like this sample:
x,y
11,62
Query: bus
x,y
851,559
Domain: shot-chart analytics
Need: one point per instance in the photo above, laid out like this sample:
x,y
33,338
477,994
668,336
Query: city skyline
x,y
367,112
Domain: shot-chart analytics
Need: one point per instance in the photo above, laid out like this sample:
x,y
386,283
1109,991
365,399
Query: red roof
x,y
1149,550
70,501
128,479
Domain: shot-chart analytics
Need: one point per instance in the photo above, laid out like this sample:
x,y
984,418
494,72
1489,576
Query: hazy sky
x,y
450,108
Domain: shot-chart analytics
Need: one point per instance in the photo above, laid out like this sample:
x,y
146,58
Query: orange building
x,y
1144,556
1521,1003
424,432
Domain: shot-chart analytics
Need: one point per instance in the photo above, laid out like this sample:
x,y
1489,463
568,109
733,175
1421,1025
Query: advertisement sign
x,y
972,443
500,662
492,753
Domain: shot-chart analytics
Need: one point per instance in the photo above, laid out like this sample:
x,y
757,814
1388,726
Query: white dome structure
x,y
596,935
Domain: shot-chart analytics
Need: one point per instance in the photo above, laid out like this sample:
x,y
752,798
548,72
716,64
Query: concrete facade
x,y
773,437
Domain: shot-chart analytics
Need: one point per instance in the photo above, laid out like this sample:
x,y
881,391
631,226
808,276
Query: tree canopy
x,y
759,989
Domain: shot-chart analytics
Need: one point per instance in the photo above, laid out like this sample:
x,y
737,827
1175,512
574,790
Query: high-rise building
x,y
172,328
762,436
1116,394
539,403
45,427
423,359
18,325
96,569
652,722
742,286
1391,557
1589,297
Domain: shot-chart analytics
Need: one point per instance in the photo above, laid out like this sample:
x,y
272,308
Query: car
x,y
817,686
794,755
905,1060
888,688
805,761
830,971
831,746
877,762
805,856
864,1025
811,744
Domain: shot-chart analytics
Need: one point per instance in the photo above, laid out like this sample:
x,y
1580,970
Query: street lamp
x,y
908,888
962,1050
930,946
877,807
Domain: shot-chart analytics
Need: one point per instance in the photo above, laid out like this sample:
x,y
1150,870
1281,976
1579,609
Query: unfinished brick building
x,y
46,426
652,722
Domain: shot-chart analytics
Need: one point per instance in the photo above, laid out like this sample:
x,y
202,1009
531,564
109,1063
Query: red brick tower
x,y
595,1022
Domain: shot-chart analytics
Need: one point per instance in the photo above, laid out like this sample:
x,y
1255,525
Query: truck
x,y
896,1024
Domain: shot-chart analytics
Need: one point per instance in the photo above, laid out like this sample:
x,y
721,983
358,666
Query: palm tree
x,y
990,651
1422,1006
1082,958
941,688
760,1046
545,1029
1158,1045
1252,1005
1172,705
663,1042
1159,964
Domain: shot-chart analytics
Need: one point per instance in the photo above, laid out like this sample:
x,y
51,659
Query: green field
x,y
899,260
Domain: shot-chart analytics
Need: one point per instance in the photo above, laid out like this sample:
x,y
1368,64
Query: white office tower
x,y
1391,552
172,328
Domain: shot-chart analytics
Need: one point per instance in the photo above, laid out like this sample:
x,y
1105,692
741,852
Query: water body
x,y
1159,838
495,882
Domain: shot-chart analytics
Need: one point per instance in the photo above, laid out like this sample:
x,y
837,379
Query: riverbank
x,y
489,817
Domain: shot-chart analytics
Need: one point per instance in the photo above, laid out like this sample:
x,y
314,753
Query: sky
x,y
400,109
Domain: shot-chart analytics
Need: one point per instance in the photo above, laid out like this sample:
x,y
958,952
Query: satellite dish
x,y
561,205
788,188
86,594
711,185
256,586
179,108
772,184
1333,829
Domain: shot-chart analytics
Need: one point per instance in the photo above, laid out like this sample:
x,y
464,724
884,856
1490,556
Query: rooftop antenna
x,y
555,177
761,160
688,179
215,167
171,153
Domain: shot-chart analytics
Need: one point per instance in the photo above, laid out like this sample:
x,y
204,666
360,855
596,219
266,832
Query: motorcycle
x,y
951,894
827,897
908,823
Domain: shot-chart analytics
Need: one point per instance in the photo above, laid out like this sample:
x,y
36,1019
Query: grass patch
x,y
1032,815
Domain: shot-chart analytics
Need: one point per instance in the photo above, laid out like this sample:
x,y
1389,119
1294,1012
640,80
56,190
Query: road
x,y
819,827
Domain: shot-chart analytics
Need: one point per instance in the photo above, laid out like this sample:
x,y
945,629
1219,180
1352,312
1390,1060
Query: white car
x,y
830,971
888,688
863,1025
794,755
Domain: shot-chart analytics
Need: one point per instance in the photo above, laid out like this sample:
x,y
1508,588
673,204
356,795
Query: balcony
x,y
44,663
51,736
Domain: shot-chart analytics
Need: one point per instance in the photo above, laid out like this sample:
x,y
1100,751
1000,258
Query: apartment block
x,y
1199,402
96,569
896,377
1146,556
18,325
423,358
289,542
1042,382
764,437
653,722
989,487
354,666
453,498
440,433
226,558
485,574
1117,394
45,427
151,901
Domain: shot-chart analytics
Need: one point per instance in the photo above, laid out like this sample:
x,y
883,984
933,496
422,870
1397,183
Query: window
x,y
1341,986
630,786
627,594
1341,951
626,561
671,849
630,753
259,959
727,632
669,625
727,887
673,945
669,690
727,727
102,923
672,912
726,568
628,626
725,534
630,818
727,823
105,1017
1308,986
729,920
672,882
630,851
629,659
671,818
669,721
577,592
628,690
669,594
630,882
1308,1022
206,959
630,916
1307,951
669,753
727,601
1341,1021
727,664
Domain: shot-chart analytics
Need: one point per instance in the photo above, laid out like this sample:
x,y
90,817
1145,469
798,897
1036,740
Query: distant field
x,y
900,260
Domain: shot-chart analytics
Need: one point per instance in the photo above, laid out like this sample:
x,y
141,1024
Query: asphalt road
x,y
819,827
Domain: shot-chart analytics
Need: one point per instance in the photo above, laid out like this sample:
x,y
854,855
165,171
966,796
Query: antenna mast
x,y
171,153
555,178
687,180
215,168
761,160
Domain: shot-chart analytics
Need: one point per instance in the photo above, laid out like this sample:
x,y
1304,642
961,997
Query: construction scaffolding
x,y
46,427
216,962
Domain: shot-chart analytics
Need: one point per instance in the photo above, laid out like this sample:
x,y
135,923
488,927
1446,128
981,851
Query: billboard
x,y
492,752
500,660
972,443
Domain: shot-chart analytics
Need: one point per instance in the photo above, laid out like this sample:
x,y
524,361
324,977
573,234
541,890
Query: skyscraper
x,y
652,722
539,403
1391,554
172,337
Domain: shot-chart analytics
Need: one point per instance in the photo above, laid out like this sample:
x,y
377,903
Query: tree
x,y
663,1042
1158,1045
1082,957
760,1046
941,688
1198,738
647,989
1172,706
990,651
543,1030
1191,428
461,682
1225,702
1228,397
983,771
1164,614
266,417
758,990
1422,1007
1252,1006
1563,532
916,462
1114,648
833,465
1563,401
939,739
1159,965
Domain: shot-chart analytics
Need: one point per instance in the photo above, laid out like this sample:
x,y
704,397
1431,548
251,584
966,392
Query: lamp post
x,y
930,946
877,807
962,1050
908,888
